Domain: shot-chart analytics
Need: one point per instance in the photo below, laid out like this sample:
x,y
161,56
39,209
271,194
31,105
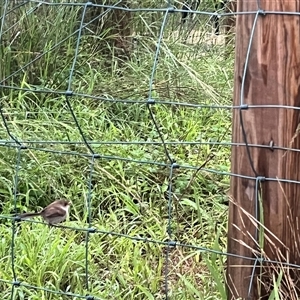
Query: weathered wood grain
x,y
272,78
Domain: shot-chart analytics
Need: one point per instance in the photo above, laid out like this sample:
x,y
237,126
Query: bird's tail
x,y
29,215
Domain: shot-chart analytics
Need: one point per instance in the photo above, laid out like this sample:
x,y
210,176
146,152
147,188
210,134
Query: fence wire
x,y
169,9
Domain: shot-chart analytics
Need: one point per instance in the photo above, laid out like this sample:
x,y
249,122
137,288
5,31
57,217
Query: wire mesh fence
x,y
125,109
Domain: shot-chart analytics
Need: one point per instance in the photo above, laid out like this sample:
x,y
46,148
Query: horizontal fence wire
x,y
21,145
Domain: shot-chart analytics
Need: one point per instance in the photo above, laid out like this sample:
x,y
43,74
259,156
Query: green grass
x,y
127,197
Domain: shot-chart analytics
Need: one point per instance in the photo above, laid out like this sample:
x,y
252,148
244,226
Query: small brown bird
x,y
54,213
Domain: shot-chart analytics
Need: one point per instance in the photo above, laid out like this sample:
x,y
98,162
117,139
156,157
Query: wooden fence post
x,y
272,78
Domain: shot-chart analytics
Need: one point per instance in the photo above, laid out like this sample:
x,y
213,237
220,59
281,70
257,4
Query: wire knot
x,y
260,178
16,283
69,93
172,244
151,101
244,106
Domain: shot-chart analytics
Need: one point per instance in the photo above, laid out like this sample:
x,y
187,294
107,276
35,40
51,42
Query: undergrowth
x,y
131,177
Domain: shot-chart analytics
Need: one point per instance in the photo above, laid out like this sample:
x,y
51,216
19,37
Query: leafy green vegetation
x,y
129,193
